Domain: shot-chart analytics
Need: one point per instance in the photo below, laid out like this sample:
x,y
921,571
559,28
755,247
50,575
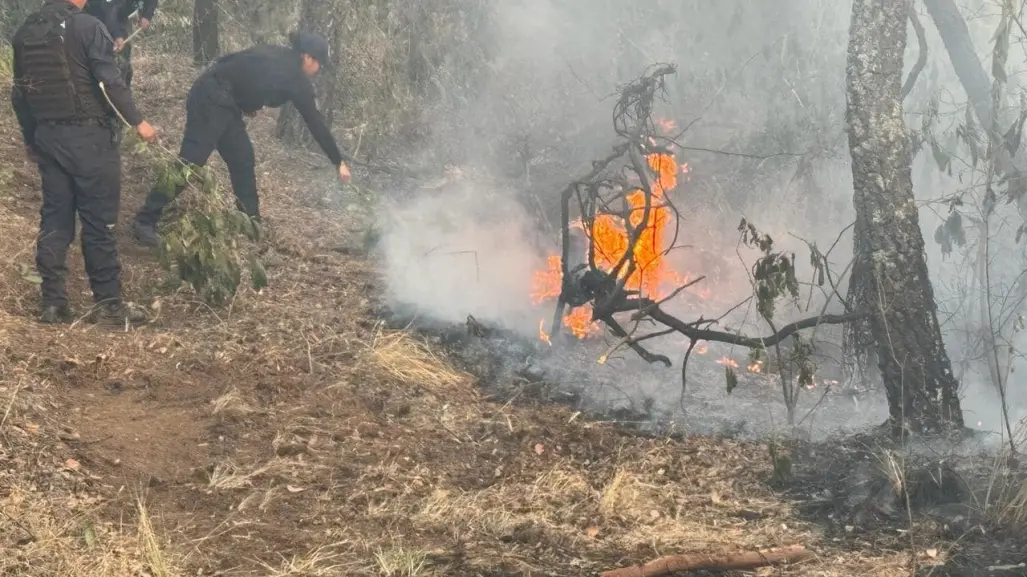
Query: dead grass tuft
x,y
400,562
465,513
151,544
626,497
410,360
1005,502
557,501
231,404
322,561
41,534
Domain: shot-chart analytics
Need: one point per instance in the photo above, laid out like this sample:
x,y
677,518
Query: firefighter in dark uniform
x,y
116,15
234,85
61,54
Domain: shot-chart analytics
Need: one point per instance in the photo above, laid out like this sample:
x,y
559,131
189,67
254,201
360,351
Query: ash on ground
x,y
648,397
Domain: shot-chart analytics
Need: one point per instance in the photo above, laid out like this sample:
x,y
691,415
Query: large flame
x,y
652,276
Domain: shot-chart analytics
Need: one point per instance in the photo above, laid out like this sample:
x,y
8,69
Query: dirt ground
x,y
293,434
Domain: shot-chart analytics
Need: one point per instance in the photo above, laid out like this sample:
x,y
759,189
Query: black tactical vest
x,y
49,85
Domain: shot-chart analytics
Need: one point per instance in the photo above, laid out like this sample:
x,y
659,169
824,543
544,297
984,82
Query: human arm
x,y
147,12
99,52
303,100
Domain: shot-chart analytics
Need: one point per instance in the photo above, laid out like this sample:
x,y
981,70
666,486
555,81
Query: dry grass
x,y
409,360
231,404
6,63
400,562
152,545
1005,502
229,476
626,497
45,534
322,561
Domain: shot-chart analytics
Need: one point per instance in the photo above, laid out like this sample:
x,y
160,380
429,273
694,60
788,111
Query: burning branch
x,y
625,214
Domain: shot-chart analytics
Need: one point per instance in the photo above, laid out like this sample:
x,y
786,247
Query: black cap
x,y
313,44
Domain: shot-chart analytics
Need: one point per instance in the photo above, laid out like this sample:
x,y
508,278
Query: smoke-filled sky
x,y
764,80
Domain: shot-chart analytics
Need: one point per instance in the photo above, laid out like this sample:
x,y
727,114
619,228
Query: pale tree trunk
x,y
890,259
206,44
319,16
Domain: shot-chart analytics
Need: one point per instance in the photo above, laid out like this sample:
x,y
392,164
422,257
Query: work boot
x,y
146,234
56,314
117,314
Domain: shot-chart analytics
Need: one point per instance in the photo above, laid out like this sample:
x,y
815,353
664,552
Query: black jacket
x,y
91,58
271,76
114,13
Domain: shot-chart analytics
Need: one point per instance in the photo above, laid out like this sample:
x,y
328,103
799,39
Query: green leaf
x,y
731,378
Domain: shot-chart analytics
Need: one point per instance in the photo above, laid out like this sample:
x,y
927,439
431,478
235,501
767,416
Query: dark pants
x,y
213,122
80,168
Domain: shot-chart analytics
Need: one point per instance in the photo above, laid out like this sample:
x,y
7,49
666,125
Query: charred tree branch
x,y
627,189
619,331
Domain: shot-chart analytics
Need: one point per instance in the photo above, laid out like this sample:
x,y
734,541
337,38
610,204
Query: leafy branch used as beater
x,y
202,247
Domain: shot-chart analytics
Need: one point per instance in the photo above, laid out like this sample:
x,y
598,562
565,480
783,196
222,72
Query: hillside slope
x,y
292,435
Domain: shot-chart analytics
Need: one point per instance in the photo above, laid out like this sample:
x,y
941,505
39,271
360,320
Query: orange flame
x,y
727,362
542,334
609,237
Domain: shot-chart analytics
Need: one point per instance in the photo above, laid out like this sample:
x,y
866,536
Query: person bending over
x,y
234,85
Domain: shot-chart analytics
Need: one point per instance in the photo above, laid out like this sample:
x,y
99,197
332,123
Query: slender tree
x,y
891,266
206,44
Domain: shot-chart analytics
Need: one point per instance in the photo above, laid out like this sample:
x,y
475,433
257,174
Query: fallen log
x,y
724,562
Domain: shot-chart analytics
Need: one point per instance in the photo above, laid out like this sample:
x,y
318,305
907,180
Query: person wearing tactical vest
x,y
116,15
240,84
61,55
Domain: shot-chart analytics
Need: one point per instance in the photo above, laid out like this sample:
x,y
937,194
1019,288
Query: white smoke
x,y
461,250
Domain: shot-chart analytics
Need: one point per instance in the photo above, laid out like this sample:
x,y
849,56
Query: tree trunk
x,y
917,373
315,16
206,44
